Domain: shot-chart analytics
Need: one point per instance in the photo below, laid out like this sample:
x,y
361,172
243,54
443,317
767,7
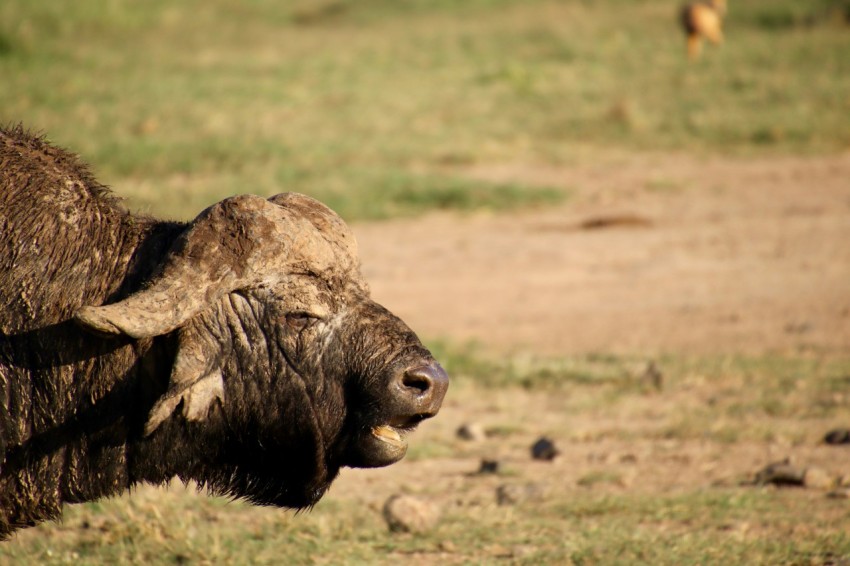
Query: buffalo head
x,y
283,368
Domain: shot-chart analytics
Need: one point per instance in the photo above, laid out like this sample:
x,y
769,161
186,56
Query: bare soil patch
x,y
651,254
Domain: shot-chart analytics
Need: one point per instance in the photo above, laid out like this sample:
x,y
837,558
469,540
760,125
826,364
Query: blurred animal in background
x,y
703,19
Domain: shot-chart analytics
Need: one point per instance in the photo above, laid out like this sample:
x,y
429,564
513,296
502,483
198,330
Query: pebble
x,y
489,467
472,432
784,473
408,514
816,478
512,494
843,493
781,473
653,377
447,546
838,436
544,449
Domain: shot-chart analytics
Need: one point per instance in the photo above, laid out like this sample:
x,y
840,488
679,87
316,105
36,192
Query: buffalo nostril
x,y
419,379
422,390
428,383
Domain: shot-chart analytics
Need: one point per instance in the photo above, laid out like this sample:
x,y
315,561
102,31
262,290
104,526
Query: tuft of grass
x,y
6,45
600,477
467,363
770,393
402,195
788,16
664,186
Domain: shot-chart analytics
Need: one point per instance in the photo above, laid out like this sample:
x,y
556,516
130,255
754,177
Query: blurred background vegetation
x,y
380,107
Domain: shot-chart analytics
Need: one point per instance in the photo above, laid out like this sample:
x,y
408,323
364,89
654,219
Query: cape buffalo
x,y
240,350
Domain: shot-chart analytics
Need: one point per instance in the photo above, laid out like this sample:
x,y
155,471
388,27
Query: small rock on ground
x,y
781,473
653,377
473,432
816,478
544,449
842,493
785,473
512,494
838,436
489,466
405,513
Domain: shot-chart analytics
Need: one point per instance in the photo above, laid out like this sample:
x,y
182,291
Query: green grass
x,y
466,363
587,529
726,399
369,104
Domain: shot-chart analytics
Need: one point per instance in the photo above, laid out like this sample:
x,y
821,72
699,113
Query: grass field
x,y
604,505
386,109
378,107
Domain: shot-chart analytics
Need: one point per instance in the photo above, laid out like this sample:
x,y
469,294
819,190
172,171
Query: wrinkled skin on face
x,y
338,384
297,356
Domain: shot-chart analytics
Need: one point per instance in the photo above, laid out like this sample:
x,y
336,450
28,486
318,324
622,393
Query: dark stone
x,y
489,467
838,436
544,449
473,432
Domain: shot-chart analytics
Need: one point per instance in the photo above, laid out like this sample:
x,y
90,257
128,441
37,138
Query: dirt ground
x,y
649,255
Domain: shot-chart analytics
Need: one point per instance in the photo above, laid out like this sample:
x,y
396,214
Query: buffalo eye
x,y
299,320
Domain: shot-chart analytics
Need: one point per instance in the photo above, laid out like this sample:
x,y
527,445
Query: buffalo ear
x,y
224,248
196,381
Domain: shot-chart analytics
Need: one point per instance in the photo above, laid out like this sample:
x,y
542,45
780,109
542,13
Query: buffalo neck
x,y
65,437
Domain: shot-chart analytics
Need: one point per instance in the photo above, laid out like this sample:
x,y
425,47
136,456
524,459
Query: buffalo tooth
x,y
387,433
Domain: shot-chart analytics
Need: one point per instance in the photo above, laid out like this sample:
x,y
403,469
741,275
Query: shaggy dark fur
x,y
266,370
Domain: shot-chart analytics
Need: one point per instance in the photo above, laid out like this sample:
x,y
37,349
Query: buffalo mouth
x,y
385,444
414,394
